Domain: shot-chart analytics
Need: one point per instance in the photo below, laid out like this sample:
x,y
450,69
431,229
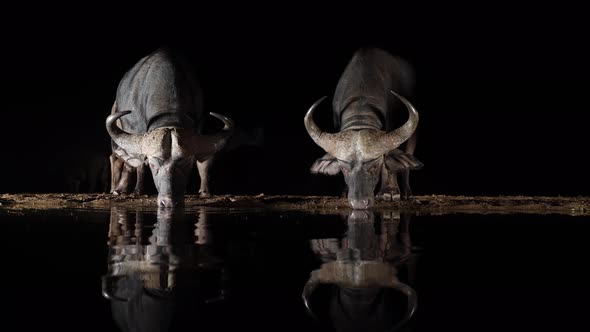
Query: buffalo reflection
x,y
166,282
363,270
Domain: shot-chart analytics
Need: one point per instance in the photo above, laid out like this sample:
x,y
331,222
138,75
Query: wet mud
x,y
428,204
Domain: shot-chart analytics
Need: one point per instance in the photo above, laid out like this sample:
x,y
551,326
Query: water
x,y
214,270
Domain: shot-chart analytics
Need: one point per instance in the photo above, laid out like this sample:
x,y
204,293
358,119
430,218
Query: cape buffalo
x,y
366,106
172,283
157,119
363,271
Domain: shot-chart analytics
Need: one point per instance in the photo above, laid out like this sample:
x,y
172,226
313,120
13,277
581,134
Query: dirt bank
x,y
433,204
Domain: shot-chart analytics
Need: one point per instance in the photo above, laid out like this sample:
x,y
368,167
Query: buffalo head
x,y
361,155
170,153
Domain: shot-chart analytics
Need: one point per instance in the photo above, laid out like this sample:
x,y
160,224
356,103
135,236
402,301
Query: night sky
x,y
501,90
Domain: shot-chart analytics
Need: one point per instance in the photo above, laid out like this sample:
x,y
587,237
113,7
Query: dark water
x,y
213,270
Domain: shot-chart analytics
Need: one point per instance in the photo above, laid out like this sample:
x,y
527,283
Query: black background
x,y
500,87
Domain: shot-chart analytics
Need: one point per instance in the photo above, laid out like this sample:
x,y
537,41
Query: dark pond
x,y
214,270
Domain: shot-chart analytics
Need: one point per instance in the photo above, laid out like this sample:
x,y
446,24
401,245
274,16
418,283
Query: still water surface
x,y
214,270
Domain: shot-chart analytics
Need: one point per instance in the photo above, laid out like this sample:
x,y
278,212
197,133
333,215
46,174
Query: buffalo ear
x,y
327,165
131,159
397,160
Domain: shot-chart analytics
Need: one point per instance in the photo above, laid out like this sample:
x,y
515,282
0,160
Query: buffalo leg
x,y
406,191
389,190
410,148
138,225
123,185
117,227
116,170
203,168
139,184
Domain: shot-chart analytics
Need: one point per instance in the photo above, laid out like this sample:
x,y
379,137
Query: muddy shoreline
x,y
431,204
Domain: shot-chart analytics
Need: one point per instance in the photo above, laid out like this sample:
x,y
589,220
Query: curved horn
x,y
410,293
325,140
220,138
106,289
131,143
228,123
395,138
204,146
310,286
226,132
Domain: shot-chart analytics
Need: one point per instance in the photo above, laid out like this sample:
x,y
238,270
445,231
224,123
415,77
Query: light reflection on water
x,y
172,262
159,272
215,270
363,268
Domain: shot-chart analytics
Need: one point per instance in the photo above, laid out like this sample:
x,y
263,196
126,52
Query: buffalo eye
x,y
155,164
372,165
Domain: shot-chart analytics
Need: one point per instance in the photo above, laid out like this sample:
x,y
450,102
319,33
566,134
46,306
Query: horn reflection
x,y
364,269
163,275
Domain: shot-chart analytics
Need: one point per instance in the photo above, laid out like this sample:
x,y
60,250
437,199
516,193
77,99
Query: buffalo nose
x,y
361,204
167,202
